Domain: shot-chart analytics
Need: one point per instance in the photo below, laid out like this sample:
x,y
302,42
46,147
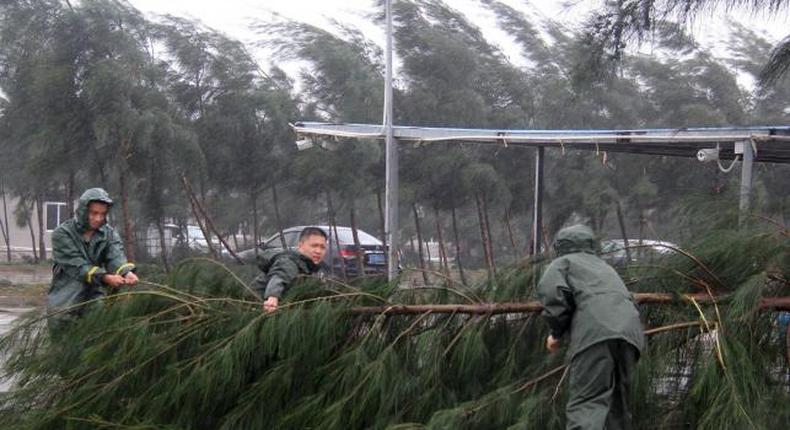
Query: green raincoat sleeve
x,y
557,298
281,275
116,259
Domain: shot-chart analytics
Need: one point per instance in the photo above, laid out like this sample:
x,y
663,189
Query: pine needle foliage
x,y
195,351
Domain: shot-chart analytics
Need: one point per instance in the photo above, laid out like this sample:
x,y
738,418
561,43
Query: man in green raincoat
x,y
585,298
88,258
281,267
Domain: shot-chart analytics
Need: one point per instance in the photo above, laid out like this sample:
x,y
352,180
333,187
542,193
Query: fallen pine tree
x,y
195,352
766,303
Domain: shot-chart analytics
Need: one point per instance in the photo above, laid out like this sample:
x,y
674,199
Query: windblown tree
x,y
454,77
770,106
343,82
240,116
172,149
119,93
624,21
46,124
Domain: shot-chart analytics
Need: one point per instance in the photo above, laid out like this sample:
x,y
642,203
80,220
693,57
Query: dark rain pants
x,y
600,378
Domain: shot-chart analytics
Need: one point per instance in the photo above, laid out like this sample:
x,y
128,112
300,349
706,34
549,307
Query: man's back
x,y
585,295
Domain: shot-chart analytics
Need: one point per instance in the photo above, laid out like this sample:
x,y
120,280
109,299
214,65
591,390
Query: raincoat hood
x,y
577,238
90,195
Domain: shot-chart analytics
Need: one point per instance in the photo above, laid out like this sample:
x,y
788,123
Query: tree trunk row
x,y
4,227
420,242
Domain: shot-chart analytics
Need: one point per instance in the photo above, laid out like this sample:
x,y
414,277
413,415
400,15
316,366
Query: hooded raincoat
x,y
583,295
79,264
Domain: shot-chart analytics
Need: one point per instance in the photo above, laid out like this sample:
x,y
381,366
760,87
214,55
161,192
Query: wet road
x,y
7,317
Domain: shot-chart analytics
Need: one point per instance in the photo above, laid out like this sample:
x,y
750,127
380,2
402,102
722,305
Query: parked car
x,y
374,254
613,250
187,237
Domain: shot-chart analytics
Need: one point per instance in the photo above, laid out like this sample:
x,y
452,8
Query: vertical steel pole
x,y
391,192
537,219
746,182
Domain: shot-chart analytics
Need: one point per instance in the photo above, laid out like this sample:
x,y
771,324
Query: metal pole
x,y
391,191
537,219
746,181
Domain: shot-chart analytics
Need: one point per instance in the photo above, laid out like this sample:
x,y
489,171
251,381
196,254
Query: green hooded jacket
x,y
78,266
280,268
584,295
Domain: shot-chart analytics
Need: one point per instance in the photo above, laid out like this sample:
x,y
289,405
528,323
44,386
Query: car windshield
x,y
194,232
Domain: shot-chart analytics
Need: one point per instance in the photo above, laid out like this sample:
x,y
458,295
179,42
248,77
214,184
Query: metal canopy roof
x,y
772,143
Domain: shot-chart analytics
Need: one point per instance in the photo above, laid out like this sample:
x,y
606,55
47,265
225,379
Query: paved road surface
x,y
7,317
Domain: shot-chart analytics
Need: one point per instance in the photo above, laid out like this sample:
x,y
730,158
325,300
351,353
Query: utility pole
x,y
391,161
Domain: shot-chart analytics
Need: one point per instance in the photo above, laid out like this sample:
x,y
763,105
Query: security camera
x,y
304,144
707,155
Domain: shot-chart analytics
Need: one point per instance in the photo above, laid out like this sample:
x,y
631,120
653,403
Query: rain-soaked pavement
x,y
24,275
16,299
7,317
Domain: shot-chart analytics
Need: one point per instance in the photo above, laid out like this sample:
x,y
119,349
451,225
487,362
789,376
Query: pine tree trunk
x,y
7,228
423,269
484,237
508,224
602,218
546,237
102,173
458,249
128,239
765,304
196,213
428,260
42,244
70,195
490,237
383,221
442,249
236,239
255,233
277,216
32,232
640,250
202,202
6,240
333,226
621,221
210,226
163,245
360,253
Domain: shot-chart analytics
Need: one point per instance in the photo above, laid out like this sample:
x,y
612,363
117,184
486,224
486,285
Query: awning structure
x,y
769,144
772,143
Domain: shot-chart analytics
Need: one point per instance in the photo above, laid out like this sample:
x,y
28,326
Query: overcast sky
x,y
234,17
